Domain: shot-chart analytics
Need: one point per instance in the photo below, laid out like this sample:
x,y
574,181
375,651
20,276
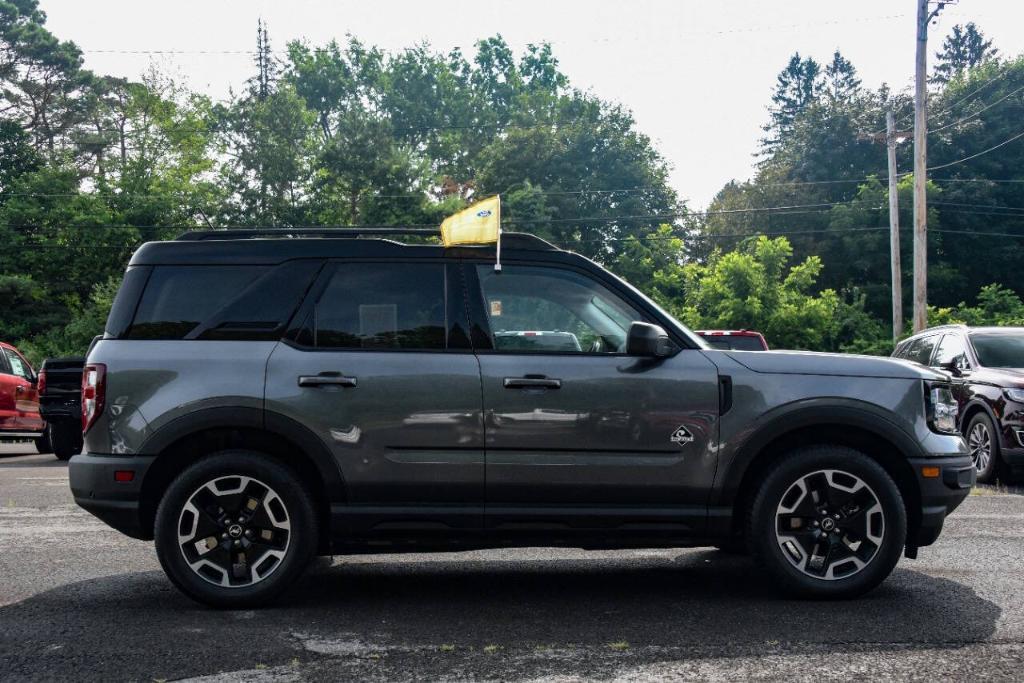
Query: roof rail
x,y
510,240
332,233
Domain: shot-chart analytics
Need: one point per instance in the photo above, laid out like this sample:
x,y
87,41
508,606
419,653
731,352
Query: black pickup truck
x,y
60,404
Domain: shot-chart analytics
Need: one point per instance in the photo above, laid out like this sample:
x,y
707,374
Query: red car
x,y
19,400
736,340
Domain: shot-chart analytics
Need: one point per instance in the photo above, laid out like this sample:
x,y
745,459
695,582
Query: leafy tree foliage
x,y
346,134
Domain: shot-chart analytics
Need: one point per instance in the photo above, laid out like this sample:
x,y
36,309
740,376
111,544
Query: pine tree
x,y
963,49
841,80
797,87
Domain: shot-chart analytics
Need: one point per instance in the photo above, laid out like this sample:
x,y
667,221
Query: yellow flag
x,y
478,224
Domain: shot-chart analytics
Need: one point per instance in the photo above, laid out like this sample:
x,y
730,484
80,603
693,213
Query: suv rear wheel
x,y
235,529
828,522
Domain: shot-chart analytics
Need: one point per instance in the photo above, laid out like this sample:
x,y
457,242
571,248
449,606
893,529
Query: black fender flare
x,y
228,417
791,417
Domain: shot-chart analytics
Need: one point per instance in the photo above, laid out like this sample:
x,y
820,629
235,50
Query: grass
x,y
619,646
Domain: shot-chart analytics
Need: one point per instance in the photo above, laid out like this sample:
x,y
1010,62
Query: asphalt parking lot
x,y
80,601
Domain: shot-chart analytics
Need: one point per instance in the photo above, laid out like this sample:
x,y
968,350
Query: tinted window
x,y
535,309
178,298
999,350
920,350
951,350
378,305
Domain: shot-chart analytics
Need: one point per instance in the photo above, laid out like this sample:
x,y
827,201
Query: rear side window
x,y
178,298
221,302
920,350
382,306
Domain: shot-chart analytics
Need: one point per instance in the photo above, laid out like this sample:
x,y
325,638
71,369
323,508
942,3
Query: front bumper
x,y
117,503
939,495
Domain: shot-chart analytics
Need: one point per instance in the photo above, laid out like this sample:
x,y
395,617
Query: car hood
x,y
834,364
1003,377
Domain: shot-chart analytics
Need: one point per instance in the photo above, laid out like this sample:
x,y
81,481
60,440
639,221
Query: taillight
x,y
41,382
94,393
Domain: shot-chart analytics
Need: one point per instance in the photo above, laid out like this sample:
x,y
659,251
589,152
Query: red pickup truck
x,y
19,400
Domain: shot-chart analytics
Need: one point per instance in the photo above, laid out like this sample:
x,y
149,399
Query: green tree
x,y
962,50
796,88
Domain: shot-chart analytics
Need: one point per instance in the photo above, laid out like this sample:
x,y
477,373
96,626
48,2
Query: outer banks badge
x,y
681,436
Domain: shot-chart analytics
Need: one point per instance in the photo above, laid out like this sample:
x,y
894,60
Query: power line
x,y
618,38
981,153
971,116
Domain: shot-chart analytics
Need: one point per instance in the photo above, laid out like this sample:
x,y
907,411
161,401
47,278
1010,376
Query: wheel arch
x,y
974,407
855,428
186,439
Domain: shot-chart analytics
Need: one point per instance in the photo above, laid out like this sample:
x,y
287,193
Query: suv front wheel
x,y
828,522
235,529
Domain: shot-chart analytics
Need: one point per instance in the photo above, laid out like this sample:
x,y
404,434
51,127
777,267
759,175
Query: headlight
x,y
1015,395
942,409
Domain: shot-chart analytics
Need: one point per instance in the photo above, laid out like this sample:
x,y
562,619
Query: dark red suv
x,y
987,367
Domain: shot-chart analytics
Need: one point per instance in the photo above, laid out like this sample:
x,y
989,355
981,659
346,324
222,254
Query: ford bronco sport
x,y
259,398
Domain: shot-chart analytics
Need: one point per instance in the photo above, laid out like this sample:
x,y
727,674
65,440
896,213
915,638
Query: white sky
x,y
697,74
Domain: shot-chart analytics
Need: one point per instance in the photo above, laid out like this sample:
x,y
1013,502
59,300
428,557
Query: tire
x,y
983,442
864,523
266,518
66,438
42,443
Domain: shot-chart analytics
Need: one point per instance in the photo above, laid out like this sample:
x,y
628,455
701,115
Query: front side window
x,y
382,306
19,366
533,309
952,352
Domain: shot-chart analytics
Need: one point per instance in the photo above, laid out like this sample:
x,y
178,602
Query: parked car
x,y
737,340
60,403
19,401
256,402
987,368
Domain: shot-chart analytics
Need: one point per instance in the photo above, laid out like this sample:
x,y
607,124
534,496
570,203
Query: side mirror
x,y
953,368
648,340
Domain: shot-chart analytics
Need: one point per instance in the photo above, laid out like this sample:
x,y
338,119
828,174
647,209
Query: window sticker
x,y
495,307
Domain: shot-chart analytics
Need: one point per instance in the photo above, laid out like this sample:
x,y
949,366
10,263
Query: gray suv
x,y
259,398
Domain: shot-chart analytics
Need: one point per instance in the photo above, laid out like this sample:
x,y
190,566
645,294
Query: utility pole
x,y
890,138
924,17
894,228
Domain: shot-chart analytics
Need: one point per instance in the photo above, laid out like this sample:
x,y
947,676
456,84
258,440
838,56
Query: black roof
x,y
270,246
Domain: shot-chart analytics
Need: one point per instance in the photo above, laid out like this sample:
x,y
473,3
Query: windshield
x,y
999,350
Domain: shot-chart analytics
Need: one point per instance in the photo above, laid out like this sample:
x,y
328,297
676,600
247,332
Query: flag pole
x,y
497,260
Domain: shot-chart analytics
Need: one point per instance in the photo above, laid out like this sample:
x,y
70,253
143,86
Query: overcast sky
x,y
697,74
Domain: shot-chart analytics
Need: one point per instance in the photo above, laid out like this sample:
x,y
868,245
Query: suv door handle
x,y
532,383
326,379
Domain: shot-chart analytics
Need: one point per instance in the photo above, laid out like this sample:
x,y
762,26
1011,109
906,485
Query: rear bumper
x,y
60,408
116,503
940,495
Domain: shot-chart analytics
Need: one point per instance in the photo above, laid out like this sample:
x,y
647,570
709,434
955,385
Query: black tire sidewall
x,y
761,522
65,440
990,473
304,530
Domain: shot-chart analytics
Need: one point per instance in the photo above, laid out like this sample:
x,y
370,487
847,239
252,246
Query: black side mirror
x,y
953,368
648,340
